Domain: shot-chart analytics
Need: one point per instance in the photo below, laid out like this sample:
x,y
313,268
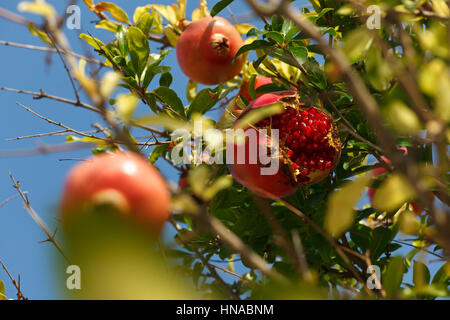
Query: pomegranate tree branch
x,y
46,49
15,283
37,218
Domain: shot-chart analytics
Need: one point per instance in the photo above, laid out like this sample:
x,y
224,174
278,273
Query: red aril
x,y
309,146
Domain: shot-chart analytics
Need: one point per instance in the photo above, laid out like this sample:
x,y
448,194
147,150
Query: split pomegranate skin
x,y
309,147
206,48
123,179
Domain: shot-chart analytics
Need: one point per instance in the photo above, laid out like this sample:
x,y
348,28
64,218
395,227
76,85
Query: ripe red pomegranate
x,y
417,209
206,48
259,81
123,179
309,147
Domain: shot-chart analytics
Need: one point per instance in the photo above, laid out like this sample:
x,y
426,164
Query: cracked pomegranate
x,y
122,179
309,147
206,48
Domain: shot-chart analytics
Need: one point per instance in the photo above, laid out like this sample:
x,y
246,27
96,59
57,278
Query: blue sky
x,y
43,176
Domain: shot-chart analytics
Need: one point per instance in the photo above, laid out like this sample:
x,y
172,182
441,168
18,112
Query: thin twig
x,y
15,283
46,49
36,218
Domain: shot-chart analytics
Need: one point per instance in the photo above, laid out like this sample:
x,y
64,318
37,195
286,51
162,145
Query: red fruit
x,y
206,48
309,147
259,81
123,179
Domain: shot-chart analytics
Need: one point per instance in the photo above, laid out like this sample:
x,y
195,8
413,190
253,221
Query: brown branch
x,y
13,17
42,94
45,149
15,283
53,50
36,218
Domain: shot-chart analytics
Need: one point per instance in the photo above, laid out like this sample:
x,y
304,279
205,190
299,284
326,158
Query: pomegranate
x,y
206,48
309,147
122,179
259,81
417,209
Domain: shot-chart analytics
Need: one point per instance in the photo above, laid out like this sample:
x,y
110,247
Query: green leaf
x,y
355,44
275,36
166,79
170,97
442,276
251,87
257,44
153,68
140,11
219,6
204,100
158,151
381,237
421,274
145,23
122,41
341,213
393,277
300,53
139,48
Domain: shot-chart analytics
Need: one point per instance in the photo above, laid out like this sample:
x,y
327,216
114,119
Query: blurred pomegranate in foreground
x,y
123,179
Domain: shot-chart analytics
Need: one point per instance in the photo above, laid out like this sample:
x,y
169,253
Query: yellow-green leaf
x,y
341,203
201,12
126,105
43,36
140,11
199,178
167,12
243,28
430,75
171,35
108,25
158,27
70,139
392,193
164,121
221,183
256,115
114,10
356,43
37,7
402,118
96,43
443,97
109,83
191,90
